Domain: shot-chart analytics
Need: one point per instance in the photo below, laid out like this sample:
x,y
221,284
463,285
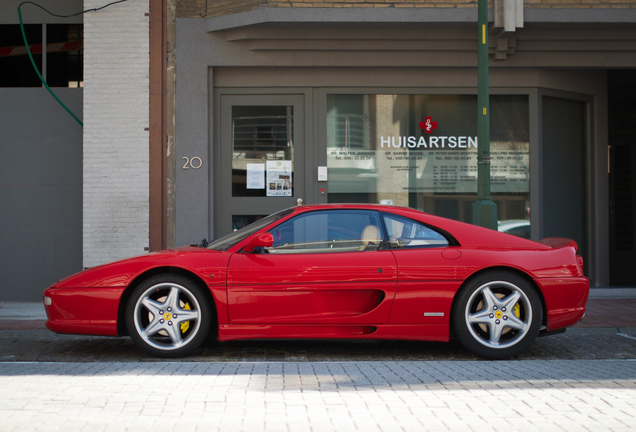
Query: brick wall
x,y
116,100
194,8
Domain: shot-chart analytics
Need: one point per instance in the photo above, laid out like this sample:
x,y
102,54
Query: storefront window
x,y
262,151
420,151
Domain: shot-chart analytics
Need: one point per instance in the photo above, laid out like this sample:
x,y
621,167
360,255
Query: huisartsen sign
x,y
462,142
428,164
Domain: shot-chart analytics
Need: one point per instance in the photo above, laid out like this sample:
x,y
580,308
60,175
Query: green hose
x,y
40,75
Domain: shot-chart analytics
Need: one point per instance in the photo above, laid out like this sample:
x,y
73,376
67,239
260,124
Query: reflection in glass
x,y
420,151
260,134
348,122
407,233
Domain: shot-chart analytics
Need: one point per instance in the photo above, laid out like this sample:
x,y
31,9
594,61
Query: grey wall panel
x,y
564,171
40,191
193,123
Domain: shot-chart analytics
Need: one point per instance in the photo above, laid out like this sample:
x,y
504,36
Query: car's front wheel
x,y
497,315
168,315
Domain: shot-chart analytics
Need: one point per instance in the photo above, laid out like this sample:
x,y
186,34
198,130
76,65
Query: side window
x,y
407,233
328,231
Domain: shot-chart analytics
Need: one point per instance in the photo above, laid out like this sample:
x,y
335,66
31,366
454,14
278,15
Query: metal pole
x,y
484,209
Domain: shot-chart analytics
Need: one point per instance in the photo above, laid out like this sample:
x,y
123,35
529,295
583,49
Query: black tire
x,y
497,315
168,315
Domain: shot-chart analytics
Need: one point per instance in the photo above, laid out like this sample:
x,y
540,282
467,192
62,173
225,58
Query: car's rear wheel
x,y
497,315
168,315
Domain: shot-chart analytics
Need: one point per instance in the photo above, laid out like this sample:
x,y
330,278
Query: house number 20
x,y
194,163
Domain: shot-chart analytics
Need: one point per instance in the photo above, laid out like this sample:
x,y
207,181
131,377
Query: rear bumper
x,y
565,300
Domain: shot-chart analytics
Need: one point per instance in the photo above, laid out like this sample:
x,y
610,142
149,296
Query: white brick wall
x,y
116,111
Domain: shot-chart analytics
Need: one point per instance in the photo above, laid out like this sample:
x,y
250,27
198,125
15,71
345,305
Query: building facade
x,y
200,117
370,101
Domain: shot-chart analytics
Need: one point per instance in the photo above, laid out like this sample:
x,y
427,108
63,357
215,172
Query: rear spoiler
x,y
558,242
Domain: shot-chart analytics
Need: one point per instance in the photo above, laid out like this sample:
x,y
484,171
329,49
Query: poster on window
x,y
255,176
279,178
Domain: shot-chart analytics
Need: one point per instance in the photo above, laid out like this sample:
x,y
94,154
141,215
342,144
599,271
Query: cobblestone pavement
x,y
576,343
535,395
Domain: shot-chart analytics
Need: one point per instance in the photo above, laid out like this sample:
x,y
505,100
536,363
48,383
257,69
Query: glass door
x,y
260,158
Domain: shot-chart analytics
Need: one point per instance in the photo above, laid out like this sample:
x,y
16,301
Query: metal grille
x,y
271,135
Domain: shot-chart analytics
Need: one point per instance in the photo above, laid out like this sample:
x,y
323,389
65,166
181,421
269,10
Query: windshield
x,y
226,242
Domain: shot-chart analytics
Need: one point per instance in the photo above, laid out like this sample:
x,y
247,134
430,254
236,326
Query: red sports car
x,y
334,271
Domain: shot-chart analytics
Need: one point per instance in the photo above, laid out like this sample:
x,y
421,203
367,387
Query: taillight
x,y
579,261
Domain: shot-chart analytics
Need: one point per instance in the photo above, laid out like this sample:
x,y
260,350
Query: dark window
x,y
64,65
15,66
63,55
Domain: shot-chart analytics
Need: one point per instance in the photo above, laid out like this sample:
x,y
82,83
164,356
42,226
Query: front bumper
x,y
89,311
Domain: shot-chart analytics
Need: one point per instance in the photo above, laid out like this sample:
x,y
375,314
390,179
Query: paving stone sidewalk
x,y
311,396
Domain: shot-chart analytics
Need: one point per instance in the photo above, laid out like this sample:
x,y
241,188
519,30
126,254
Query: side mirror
x,y
259,240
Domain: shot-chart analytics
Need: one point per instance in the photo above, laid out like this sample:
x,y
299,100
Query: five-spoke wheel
x,y
497,315
168,315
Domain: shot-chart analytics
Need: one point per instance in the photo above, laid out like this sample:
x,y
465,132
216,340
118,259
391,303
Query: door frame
x,y
303,125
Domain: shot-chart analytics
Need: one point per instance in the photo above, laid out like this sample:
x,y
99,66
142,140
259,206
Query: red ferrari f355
x,y
334,271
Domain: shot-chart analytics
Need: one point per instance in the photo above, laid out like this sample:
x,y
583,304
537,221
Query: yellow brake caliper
x,y
517,310
185,325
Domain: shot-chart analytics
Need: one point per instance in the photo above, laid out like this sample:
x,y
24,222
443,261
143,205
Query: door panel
x,y
428,282
427,271
342,287
261,158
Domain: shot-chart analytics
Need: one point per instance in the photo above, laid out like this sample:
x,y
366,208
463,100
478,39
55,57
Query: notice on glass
x,y
279,178
255,176
456,172
426,171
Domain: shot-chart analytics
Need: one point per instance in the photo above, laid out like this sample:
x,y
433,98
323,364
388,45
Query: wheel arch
x,y
123,301
513,270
